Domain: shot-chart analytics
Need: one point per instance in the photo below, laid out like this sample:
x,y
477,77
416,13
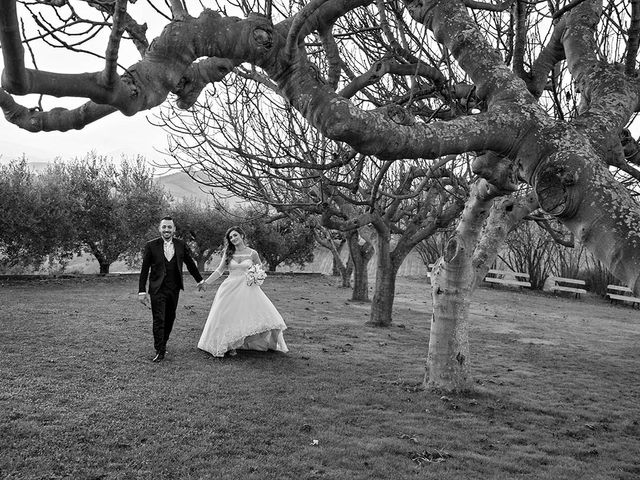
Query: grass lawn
x,y
557,389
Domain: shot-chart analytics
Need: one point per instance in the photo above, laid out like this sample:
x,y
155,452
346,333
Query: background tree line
x,y
93,205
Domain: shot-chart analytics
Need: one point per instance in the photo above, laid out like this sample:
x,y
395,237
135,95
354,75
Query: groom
x,y
164,256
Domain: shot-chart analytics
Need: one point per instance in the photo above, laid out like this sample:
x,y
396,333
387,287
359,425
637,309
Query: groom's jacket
x,y
154,266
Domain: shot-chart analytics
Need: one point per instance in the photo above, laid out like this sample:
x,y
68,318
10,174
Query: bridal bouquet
x,y
255,275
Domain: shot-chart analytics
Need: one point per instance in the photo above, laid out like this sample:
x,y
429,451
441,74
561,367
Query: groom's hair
x,y
167,218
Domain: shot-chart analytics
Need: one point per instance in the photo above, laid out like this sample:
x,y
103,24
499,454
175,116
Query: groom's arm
x,y
191,264
144,271
144,274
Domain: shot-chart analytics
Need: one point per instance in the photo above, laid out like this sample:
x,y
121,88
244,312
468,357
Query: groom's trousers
x,y
163,309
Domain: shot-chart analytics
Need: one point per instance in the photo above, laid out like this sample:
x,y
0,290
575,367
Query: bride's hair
x,y
230,248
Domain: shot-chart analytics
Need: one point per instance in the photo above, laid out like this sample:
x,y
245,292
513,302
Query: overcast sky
x,y
111,136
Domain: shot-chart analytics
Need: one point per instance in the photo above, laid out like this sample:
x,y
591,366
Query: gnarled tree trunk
x,y
385,286
468,256
361,254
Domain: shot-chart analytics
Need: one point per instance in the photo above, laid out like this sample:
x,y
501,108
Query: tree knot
x,y
555,183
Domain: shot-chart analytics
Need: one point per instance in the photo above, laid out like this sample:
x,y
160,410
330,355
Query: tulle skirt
x,y
242,317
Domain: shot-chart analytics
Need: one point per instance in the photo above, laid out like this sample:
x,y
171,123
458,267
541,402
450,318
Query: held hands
x,y
202,286
142,298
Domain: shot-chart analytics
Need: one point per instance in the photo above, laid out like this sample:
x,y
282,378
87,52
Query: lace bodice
x,y
240,263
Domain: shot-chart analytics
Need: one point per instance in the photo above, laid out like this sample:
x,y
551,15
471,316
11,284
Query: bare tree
x,y
334,241
293,169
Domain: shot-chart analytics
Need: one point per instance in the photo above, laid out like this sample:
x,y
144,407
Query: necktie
x,y
168,251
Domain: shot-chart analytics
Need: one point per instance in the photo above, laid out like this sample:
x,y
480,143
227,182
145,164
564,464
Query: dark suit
x,y
165,283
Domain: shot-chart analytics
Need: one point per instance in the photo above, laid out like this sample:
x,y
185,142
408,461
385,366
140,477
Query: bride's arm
x,y
256,258
217,273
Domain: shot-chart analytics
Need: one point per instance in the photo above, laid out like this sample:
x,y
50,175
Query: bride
x,y
241,316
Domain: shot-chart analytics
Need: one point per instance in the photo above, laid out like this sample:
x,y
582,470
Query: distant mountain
x,y
182,186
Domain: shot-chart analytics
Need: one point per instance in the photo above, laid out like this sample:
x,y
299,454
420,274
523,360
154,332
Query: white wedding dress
x,y
242,316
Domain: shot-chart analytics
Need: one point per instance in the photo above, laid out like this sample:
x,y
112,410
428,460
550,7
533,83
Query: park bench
x,y
623,294
506,277
560,284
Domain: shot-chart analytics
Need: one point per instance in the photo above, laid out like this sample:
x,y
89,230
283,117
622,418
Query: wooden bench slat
x,y
568,280
568,289
507,272
624,298
619,288
506,281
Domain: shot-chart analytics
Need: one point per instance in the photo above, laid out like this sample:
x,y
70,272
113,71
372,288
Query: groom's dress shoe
x,y
158,358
